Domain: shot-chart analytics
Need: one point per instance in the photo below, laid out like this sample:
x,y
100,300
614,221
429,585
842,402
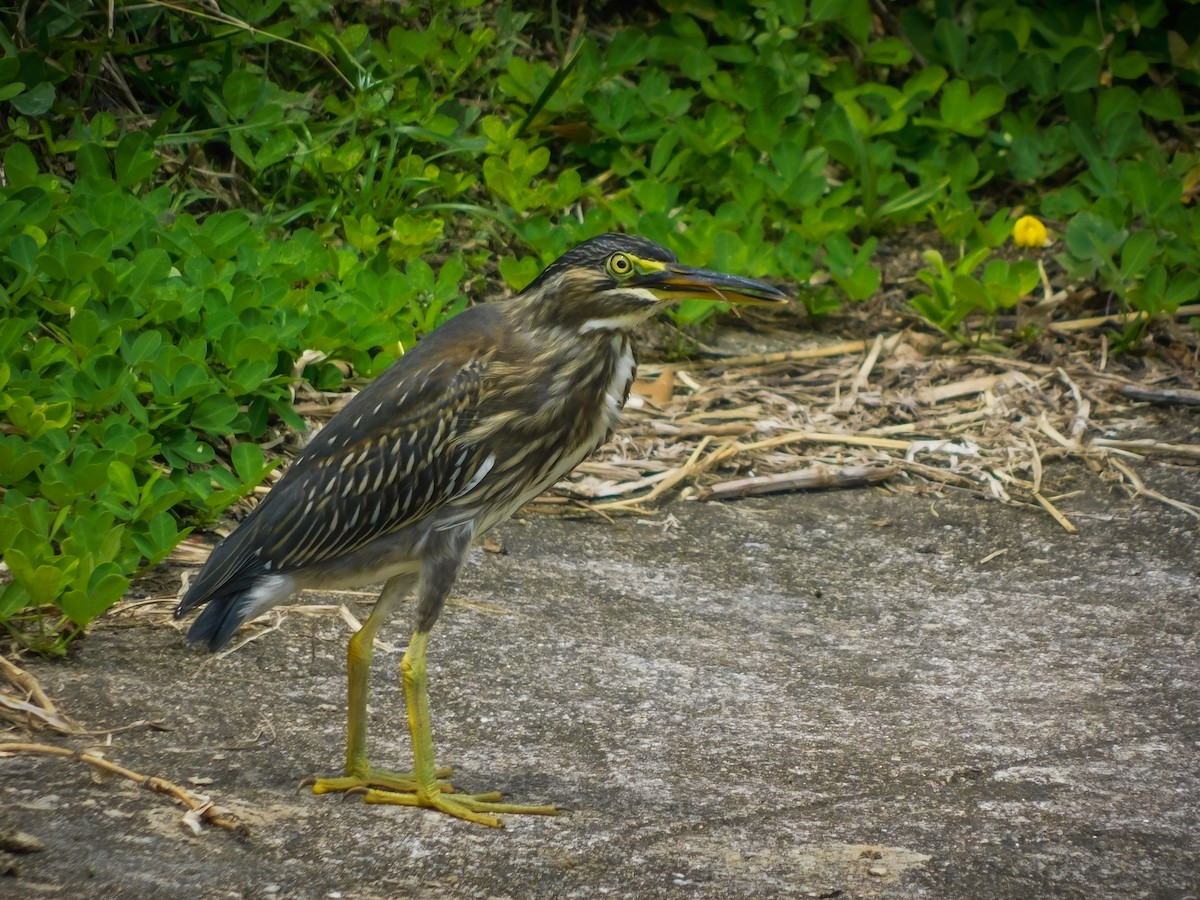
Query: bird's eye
x,y
620,264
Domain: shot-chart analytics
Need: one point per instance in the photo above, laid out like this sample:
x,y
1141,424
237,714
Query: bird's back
x,y
385,460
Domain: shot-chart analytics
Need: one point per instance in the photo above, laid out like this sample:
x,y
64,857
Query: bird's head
x,y
615,282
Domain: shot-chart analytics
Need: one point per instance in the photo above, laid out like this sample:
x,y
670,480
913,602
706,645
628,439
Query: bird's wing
x,y
393,455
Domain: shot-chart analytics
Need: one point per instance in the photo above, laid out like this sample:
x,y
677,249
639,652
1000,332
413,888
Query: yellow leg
x,y
359,774
430,792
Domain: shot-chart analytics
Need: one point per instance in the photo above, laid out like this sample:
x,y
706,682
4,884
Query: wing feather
x,y
393,455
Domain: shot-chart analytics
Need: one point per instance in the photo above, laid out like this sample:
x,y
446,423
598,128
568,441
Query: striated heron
x,y
476,420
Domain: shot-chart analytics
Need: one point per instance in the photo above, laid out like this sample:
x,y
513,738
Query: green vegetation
x,y
192,199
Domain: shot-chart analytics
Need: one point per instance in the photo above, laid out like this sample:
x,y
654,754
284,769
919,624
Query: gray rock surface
x,y
841,694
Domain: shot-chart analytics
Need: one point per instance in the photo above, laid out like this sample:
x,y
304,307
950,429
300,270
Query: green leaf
x,y
214,414
825,10
274,149
145,346
58,415
519,273
23,250
1139,250
42,582
970,292
1129,66
105,586
35,101
1093,237
241,92
92,162
1079,70
1163,104
888,52
966,112
1150,190
1123,133
1184,288
163,534
249,376
855,21
122,480
188,448
951,40
626,50
20,168
917,197
17,462
248,462
135,158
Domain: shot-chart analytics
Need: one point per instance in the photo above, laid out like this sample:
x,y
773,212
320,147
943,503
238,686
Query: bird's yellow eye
x,y
620,265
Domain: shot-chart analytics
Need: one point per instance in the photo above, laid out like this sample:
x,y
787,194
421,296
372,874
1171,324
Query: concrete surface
x,y
825,695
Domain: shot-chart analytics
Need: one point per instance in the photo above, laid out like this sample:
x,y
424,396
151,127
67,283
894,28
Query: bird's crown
x,y
596,253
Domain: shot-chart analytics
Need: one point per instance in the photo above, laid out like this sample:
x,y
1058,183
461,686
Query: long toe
x,y
375,779
479,808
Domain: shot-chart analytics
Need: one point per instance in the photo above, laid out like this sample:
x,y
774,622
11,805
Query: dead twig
x,y
803,480
958,389
37,710
1139,487
1150,447
30,715
691,429
864,373
1175,397
672,478
842,348
27,683
1116,319
200,808
826,437
846,403
1053,510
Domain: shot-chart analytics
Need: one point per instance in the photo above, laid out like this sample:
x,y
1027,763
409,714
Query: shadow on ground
x,y
842,694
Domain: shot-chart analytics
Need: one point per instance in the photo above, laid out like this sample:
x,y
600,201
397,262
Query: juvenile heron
x,y
476,420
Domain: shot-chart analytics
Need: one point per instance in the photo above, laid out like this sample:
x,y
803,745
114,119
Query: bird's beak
x,y
675,282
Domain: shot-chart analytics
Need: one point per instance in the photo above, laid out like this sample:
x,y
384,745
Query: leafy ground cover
x,y
204,207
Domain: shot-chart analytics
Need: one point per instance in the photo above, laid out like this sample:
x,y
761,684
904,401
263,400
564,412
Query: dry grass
x,y
898,409
903,409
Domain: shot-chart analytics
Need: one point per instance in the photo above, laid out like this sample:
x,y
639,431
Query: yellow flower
x,y
1029,232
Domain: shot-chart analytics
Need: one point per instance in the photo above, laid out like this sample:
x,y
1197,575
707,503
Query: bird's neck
x,y
597,371
567,380
577,367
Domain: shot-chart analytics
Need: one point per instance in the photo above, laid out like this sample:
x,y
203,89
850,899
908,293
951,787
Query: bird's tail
x,y
217,622
233,586
229,605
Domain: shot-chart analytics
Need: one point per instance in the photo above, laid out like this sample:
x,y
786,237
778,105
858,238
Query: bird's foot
x,y
371,778
479,808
